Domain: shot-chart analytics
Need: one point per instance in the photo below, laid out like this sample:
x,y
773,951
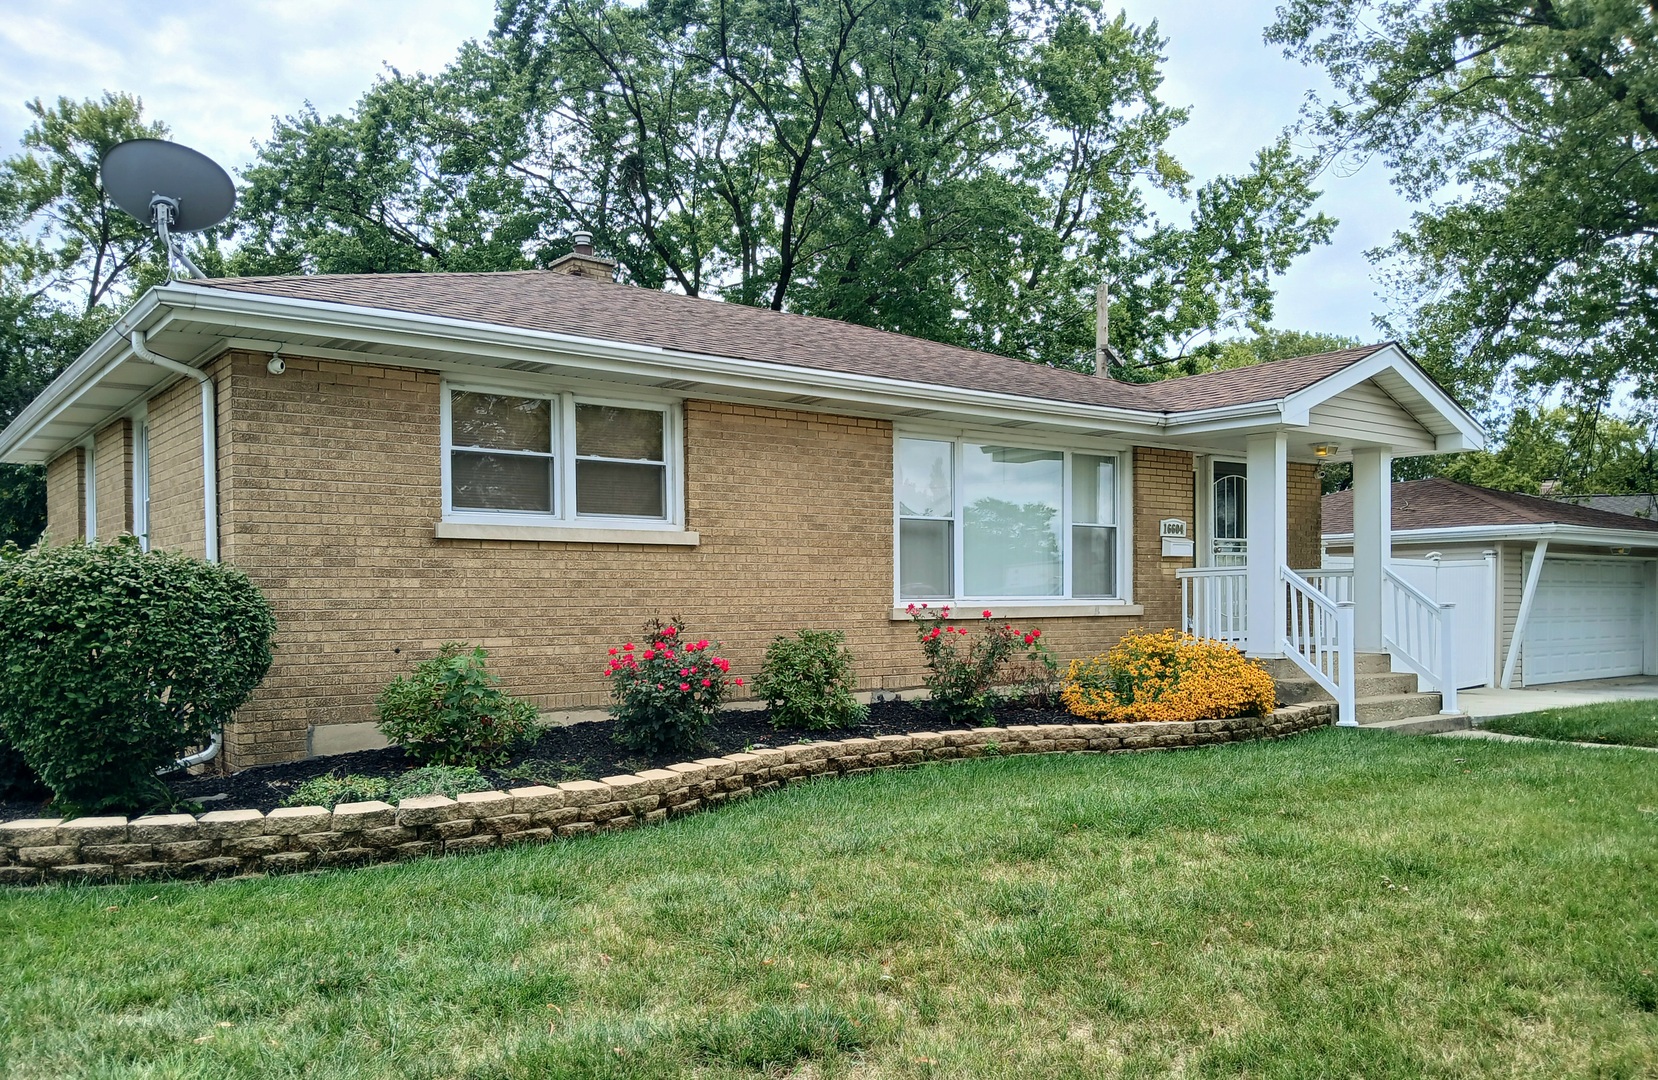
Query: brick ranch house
x,y
538,462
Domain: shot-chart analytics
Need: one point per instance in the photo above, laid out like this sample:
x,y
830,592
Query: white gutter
x,y
209,439
1520,620
1559,532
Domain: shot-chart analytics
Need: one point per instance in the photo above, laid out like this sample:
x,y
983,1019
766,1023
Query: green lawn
x,y
1621,723
1342,904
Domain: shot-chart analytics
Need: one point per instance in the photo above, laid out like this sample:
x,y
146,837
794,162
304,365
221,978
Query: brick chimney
x,y
583,262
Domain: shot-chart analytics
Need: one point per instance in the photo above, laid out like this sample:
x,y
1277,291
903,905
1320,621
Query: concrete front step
x,y
1363,664
1388,707
1422,725
1303,689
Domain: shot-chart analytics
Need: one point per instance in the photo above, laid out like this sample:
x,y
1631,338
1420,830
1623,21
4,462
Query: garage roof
x,y
1437,503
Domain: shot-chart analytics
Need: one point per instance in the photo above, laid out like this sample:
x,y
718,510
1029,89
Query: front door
x,y
1229,539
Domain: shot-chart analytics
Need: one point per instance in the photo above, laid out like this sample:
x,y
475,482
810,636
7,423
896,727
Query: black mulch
x,y
579,752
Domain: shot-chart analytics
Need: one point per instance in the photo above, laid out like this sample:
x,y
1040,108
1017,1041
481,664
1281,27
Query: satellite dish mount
x,y
172,188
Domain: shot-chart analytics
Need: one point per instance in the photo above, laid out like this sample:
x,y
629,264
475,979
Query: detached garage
x,y
1546,591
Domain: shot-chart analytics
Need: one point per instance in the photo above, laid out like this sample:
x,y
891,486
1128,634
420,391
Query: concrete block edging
x,y
248,843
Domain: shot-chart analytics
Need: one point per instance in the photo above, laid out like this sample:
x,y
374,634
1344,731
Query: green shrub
x,y
331,790
448,780
807,680
452,711
664,694
114,661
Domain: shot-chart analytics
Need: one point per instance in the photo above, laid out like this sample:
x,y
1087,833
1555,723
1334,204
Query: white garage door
x,y
1589,621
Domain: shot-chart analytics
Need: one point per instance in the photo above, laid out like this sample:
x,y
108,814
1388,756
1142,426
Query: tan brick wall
x,y
1164,487
113,478
331,496
1304,507
176,469
65,497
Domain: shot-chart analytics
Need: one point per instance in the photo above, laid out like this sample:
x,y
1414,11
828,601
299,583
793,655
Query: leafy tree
x,y
68,259
1532,123
1269,346
1564,450
962,172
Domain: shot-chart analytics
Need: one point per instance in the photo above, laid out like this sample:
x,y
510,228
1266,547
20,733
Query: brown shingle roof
x,y
565,303
1445,504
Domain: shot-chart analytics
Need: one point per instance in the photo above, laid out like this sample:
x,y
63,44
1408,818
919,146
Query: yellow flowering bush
x,y
1167,676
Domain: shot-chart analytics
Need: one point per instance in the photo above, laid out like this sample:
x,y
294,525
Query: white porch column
x,y
1268,532
1372,543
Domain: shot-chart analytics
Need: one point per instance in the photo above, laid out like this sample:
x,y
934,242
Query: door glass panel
x,y
1231,516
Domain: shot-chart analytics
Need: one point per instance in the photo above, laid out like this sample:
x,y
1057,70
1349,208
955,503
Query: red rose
x,y
685,686
987,613
708,682
739,680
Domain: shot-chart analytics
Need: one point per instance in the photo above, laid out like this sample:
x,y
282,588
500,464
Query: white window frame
x,y
141,479
563,515
89,477
959,439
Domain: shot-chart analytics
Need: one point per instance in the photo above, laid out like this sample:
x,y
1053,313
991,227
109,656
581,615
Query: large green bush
x,y
452,711
807,681
114,661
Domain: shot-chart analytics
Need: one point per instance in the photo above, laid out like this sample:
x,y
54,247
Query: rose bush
x,y
664,693
965,669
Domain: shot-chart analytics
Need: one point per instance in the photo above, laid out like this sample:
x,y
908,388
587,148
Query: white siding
x,y
1365,413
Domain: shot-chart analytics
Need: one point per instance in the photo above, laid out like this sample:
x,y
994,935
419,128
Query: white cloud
x,y
217,73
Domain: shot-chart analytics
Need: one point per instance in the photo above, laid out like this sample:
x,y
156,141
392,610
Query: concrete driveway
x,y
1491,701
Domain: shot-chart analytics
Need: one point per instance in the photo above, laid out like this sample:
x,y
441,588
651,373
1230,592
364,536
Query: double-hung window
x,y
553,459
981,520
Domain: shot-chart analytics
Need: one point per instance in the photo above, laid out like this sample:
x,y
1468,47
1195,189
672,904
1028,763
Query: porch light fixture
x,y
1324,449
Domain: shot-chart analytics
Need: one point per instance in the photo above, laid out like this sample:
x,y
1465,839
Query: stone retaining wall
x,y
248,842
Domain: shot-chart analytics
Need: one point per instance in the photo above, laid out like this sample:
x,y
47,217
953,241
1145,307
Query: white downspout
x,y
209,438
210,495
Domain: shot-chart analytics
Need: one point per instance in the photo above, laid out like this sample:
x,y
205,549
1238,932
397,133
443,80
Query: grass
x,y
1342,904
1617,723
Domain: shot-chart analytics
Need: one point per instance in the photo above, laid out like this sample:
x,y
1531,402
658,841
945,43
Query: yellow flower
x,y
1167,676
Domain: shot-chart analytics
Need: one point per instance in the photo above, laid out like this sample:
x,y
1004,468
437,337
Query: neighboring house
x,y
1546,591
1641,506
539,462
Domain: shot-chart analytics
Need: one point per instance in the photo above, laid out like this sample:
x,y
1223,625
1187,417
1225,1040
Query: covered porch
x,y
1256,587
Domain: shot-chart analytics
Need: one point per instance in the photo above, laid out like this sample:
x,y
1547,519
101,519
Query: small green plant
x,y
449,780
963,675
452,711
546,772
114,661
807,680
331,790
663,695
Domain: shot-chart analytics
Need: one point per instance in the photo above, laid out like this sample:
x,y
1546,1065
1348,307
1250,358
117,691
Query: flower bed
x,y
246,842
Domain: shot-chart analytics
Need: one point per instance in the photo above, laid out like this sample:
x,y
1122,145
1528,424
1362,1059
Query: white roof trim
x,y
1565,533
1459,430
274,315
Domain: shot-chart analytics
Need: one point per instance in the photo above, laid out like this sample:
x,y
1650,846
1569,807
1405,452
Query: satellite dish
x,y
170,187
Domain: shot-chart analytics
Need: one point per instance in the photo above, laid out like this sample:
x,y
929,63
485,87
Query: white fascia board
x,y
276,315
1565,534
104,354
1469,435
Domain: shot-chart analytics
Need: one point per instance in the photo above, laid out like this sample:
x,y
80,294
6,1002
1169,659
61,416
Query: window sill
x,y
559,534
973,611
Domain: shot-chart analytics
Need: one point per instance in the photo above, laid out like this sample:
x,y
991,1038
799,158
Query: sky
x,y
218,73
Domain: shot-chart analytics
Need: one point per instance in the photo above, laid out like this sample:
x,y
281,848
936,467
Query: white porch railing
x,y
1318,637
1214,602
1318,628
1336,584
1420,633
